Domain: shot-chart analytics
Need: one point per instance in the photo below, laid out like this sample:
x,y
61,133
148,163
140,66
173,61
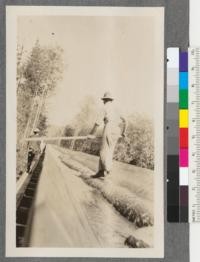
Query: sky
x,y
115,54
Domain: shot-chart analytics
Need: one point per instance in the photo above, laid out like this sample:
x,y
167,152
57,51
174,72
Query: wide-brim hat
x,y
107,96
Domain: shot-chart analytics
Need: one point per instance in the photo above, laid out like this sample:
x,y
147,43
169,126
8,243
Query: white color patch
x,y
183,176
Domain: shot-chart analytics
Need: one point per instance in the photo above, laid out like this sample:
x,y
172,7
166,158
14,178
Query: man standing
x,y
111,133
33,150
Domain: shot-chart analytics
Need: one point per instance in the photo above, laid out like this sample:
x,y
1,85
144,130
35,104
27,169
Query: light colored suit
x,y
111,119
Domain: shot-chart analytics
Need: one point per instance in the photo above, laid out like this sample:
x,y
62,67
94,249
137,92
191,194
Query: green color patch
x,y
183,99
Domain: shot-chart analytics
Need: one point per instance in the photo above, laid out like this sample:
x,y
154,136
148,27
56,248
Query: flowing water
x,y
107,224
69,213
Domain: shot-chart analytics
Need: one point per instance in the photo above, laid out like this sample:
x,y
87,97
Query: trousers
x,y
32,159
109,140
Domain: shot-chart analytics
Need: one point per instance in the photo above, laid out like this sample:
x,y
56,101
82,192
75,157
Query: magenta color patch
x,y
183,157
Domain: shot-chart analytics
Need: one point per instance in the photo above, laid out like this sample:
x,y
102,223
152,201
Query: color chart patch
x,y
177,135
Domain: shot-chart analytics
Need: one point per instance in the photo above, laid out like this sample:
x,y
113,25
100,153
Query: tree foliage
x,y
43,68
83,121
38,73
42,124
137,148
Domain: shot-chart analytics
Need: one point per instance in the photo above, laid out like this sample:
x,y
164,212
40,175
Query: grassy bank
x,y
129,204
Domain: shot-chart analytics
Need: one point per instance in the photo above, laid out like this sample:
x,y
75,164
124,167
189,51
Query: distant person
x,y
34,149
114,127
42,146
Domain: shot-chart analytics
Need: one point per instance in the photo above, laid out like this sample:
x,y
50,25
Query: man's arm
x,y
97,124
93,131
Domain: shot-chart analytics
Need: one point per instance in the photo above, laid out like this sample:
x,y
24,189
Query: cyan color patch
x,y
183,80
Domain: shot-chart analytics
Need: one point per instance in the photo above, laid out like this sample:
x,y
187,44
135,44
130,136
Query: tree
x,y
40,70
43,68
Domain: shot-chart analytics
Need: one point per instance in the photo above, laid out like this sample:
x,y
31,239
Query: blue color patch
x,y
183,80
183,62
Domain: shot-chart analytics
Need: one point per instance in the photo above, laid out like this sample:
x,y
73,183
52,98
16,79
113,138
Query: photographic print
x,y
85,131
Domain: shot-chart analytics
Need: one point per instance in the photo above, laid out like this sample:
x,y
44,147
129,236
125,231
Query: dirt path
x,y
69,213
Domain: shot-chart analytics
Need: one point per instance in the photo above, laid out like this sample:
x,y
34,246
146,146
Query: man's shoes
x,y
101,173
98,174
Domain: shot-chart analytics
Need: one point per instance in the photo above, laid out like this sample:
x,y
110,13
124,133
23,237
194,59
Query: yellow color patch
x,y
183,118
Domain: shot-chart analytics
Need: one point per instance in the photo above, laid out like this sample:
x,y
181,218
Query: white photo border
x,y
12,13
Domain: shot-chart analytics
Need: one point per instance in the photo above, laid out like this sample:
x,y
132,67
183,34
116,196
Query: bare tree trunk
x,y
39,109
28,122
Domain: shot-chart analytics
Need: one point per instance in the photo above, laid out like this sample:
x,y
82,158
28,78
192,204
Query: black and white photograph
x,y
85,98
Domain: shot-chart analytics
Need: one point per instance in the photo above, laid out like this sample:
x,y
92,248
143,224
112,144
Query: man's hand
x,y
90,136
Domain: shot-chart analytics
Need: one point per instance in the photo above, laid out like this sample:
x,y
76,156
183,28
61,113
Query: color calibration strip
x,y
183,136
177,135
172,131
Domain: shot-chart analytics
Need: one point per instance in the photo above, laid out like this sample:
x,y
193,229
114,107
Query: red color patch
x,y
183,137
